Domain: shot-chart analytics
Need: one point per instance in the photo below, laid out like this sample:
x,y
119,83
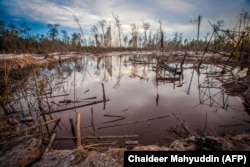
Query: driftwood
x,y
117,116
50,142
119,119
39,125
89,98
86,91
104,97
125,110
132,122
231,125
70,108
72,127
56,124
59,95
93,125
183,124
92,120
99,137
79,101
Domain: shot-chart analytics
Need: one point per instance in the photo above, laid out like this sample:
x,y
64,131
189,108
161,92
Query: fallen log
x,y
59,95
117,116
70,108
132,122
115,120
98,137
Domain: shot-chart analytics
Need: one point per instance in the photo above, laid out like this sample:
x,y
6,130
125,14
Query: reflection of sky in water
x,y
132,91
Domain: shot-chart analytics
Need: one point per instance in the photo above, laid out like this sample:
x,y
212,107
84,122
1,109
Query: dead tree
x,y
118,25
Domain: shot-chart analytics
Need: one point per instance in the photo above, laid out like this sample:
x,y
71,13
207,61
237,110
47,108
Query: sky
x,y
175,15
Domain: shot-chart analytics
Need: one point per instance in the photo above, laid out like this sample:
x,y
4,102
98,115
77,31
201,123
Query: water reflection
x,y
139,94
147,87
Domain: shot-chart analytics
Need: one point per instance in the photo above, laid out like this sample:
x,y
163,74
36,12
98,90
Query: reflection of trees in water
x,y
104,64
107,67
97,72
117,84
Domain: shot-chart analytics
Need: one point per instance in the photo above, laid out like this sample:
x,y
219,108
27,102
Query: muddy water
x,y
138,88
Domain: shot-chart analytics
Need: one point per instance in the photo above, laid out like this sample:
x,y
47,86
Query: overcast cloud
x,y
174,14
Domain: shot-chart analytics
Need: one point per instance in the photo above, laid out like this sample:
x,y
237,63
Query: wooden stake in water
x,y
78,129
72,128
104,97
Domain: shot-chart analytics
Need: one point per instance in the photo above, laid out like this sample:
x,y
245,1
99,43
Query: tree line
x,y
17,38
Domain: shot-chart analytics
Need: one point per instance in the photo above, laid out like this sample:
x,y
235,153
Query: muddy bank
x,y
99,155
20,61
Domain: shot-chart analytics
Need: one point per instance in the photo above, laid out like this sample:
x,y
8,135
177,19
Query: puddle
x,y
141,98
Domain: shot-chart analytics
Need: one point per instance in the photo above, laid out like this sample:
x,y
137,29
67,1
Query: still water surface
x,y
140,87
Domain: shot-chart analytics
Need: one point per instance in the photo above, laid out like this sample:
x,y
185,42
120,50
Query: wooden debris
x,y
86,91
183,124
99,137
89,98
125,110
78,129
70,108
131,142
119,119
59,95
104,97
50,142
117,116
72,127
132,122
224,126
39,125
92,120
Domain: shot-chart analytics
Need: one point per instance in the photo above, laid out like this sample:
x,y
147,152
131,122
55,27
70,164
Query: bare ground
x,y
30,152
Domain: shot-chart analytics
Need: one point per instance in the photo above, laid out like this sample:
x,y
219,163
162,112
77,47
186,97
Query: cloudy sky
x,y
174,14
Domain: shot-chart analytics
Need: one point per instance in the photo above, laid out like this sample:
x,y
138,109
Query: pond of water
x,y
145,90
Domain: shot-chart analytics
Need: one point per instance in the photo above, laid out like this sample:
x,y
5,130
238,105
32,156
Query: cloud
x,y
175,15
49,12
176,6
